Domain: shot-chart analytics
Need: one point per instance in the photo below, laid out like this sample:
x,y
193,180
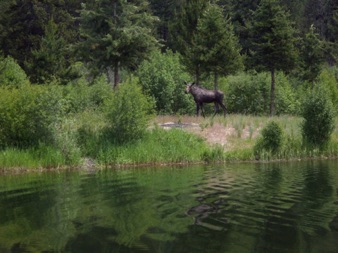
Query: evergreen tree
x,y
215,48
273,42
241,12
311,55
332,33
184,24
49,62
23,25
115,34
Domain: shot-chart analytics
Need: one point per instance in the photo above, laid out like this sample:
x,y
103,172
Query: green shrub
x,y
318,114
128,113
162,78
328,81
286,99
82,95
27,115
249,93
271,139
11,74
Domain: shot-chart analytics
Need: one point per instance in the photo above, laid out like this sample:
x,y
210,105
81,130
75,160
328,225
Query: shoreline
x,y
94,169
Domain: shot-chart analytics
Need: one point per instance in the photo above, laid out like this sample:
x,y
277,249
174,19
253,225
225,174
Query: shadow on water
x,y
281,207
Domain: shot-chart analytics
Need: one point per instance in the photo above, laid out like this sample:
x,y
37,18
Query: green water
x,y
256,208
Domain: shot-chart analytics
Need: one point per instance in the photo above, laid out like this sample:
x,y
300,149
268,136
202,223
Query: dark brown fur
x,y
202,95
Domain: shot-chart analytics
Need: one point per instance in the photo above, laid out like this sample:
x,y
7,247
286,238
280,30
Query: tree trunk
x,y
197,75
272,93
116,75
216,81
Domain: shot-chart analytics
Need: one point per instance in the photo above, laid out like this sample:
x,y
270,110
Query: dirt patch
x,y
215,134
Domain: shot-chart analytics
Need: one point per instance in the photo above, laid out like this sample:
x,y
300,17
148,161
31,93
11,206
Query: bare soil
x,y
215,133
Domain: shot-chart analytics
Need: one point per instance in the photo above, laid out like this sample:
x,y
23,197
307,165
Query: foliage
x,y
287,101
27,115
184,24
318,115
271,139
162,77
249,94
215,49
273,42
241,13
22,27
80,95
157,146
273,38
11,74
49,61
40,157
312,55
115,35
328,82
128,113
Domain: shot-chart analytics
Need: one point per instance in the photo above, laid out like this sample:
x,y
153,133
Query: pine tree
x,y
115,34
312,52
273,42
241,12
23,26
183,28
49,62
215,49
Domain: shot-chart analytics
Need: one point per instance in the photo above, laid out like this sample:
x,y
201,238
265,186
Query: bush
x,y
162,78
271,139
328,81
81,95
27,115
250,94
11,74
318,123
128,113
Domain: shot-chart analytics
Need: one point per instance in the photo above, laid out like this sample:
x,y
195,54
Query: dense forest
x,y
47,38
128,59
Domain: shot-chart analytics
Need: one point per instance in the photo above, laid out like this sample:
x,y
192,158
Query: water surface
x,y
244,208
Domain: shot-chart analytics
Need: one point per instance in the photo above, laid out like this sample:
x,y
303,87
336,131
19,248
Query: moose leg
x,y
202,109
224,108
216,109
197,109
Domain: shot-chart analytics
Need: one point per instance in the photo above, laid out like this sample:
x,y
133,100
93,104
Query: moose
x,y
202,95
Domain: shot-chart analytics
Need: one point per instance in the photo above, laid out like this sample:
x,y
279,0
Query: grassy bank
x,y
191,140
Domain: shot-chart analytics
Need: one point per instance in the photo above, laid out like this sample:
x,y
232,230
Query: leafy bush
x,y
250,94
318,123
328,81
82,95
11,74
162,78
128,113
271,139
27,115
286,99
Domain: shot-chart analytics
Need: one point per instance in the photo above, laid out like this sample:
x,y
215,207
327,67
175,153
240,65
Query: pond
x,y
274,207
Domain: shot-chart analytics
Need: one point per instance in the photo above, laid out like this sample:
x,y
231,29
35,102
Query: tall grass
x,y
83,136
156,147
32,158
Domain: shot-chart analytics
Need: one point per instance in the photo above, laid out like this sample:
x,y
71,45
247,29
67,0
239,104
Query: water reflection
x,y
289,207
